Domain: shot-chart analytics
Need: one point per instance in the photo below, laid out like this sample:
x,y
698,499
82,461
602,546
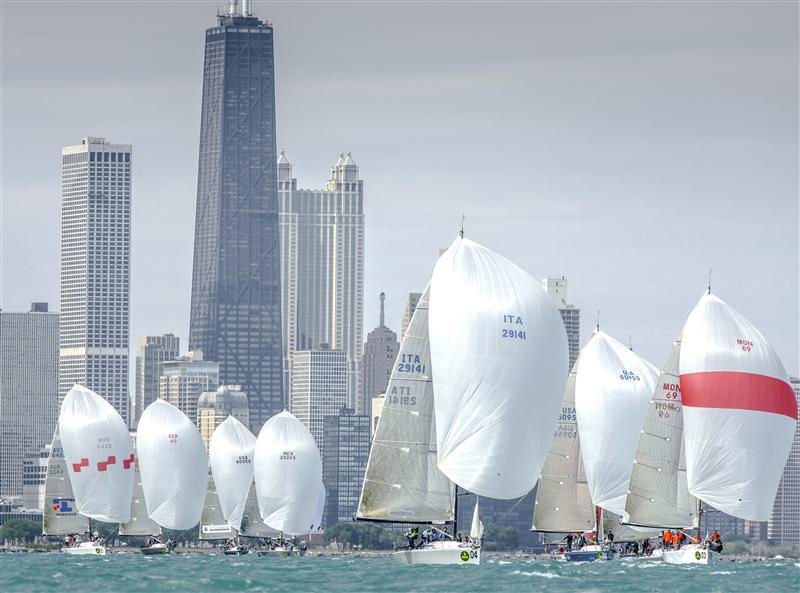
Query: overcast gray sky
x,y
627,146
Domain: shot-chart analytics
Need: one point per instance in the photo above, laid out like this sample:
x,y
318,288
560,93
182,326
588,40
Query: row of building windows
x,y
112,157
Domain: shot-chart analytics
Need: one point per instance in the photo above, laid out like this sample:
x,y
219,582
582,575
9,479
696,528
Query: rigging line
x,y
504,517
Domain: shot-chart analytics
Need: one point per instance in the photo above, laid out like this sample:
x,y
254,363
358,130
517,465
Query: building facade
x,y
322,267
783,526
319,388
412,300
556,289
344,462
28,389
95,270
380,354
151,351
183,381
214,407
235,316
34,476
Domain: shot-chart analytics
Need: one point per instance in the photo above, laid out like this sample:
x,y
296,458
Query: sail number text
x,y
513,332
410,363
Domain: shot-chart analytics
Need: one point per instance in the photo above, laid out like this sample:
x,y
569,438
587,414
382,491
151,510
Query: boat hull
x,y
237,551
691,554
281,552
446,552
155,550
85,549
589,554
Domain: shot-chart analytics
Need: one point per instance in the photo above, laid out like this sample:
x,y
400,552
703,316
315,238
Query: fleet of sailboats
x,y
480,402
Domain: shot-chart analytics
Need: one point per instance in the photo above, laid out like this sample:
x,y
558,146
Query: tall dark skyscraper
x,y
236,298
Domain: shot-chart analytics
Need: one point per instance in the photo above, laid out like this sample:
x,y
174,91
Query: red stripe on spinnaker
x,y
739,391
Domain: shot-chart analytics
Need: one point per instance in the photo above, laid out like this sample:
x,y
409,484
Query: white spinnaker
x,y
657,493
231,452
499,357
739,411
173,464
98,454
288,471
563,503
402,481
320,508
612,393
140,523
59,516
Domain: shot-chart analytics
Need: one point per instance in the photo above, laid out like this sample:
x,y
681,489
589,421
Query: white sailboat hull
x,y
155,550
85,549
281,551
691,554
444,552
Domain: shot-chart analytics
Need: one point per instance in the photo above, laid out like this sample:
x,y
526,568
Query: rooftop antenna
x,y
709,280
461,232
597,325
630,343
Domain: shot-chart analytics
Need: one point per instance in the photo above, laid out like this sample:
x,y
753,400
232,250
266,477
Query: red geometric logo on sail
x,y
738,391
76,467
126,463
103,465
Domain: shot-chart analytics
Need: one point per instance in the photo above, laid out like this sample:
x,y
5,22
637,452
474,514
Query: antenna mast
x,y
461,232
709,280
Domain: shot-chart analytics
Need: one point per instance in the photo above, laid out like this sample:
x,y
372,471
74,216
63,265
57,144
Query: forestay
x,y
60,516
402,481
173,464
288,472
658,494
612,393
499,357
563,503
739,411
98,454
140,523
231,452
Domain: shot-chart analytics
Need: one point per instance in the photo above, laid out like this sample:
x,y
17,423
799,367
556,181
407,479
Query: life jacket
x,y
667,536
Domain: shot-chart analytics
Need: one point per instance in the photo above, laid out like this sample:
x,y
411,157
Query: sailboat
x,y
613,386
99,459
173,465
288,474
60,515
140,524
494,377
231,453
213,526
739,414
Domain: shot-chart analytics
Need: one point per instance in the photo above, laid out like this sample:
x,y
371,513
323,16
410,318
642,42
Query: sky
x,y
627,146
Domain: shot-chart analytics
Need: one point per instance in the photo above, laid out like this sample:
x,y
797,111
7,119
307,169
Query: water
x,y
121,573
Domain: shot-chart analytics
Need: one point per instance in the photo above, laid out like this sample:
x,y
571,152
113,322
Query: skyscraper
x,y
95,269
380,353
783,526
235,316
150,352
412,300
214,407
556,289
322,267
183,381
28,389
344,462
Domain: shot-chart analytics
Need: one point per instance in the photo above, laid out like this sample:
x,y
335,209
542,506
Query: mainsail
x,y
658,495
212,520
288,472
140,523
173,464
99,456
59,516
402,481
739,411
563,503
320,509
499,357
612,392
231,453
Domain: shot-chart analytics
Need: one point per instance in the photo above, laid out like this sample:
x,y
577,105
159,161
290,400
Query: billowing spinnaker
x,y
288,472
499,358
231,455
739,411
657,493
98,454
612,393
173,465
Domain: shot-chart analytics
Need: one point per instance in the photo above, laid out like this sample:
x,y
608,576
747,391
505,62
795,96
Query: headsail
x,y
658,495
499,356
288,472
98,454
231,452
402,481
60,516
563,503
739,411
320,509
612,393
476,529
173,464
140,523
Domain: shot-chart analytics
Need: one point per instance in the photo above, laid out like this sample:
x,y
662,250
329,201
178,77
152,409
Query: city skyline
x,y
571,170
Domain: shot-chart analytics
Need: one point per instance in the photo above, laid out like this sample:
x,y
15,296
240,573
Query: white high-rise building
x,y
322,268
95,269
151,351
556,289
319,388
28,390
783,526
181,382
